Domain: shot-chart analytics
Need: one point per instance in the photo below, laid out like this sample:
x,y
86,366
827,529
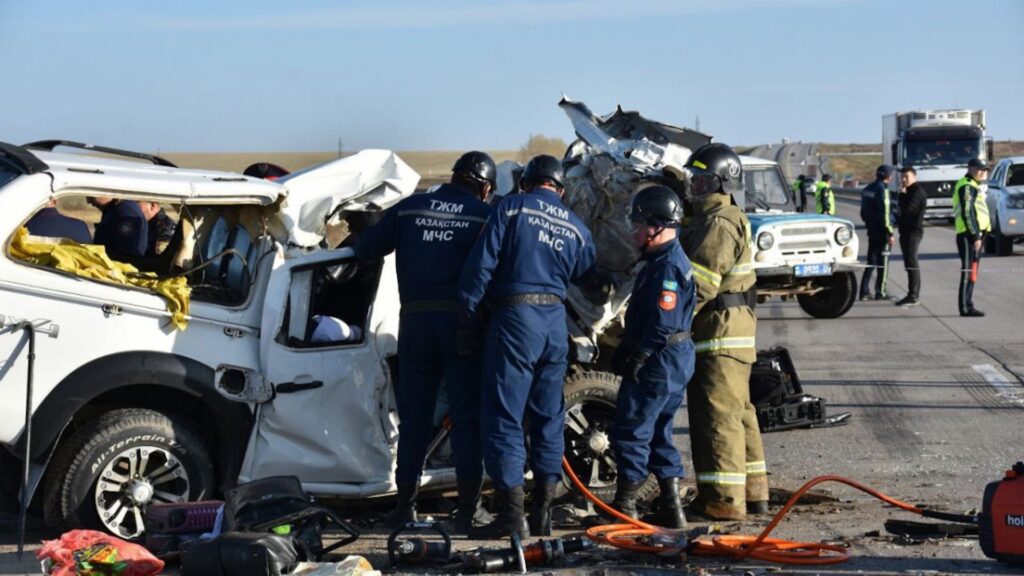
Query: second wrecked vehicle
x,y
809,257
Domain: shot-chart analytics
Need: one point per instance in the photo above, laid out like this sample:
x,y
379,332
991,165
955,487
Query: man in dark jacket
x,y
51,223
876,212
912,203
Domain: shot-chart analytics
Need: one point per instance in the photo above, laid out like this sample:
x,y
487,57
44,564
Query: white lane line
x,y
1005,389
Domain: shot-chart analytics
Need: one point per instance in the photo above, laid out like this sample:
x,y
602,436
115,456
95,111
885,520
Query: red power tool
x,y
1001,522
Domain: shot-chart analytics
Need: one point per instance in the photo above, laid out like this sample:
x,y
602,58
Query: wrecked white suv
x,y
205,365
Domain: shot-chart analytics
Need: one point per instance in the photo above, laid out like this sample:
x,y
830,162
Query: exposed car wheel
x,y
109,470
589,412
997,244
839,291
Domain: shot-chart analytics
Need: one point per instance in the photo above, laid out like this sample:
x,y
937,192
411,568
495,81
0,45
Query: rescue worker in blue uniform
x,y
50,223
655,359
432,234
878,214
122,230
530,249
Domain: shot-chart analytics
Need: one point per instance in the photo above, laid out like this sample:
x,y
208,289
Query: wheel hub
x,y
598,442
140,492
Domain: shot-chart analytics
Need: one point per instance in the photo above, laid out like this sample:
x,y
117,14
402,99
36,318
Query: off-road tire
x,y
69,496
996,244
600,390
838,296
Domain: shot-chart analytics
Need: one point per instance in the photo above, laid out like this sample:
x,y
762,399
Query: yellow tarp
x,y
91,261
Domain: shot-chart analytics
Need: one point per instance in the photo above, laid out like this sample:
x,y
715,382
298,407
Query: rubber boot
x,y
669,512
625,497
405,505
510,517
757,507
541,497
468,512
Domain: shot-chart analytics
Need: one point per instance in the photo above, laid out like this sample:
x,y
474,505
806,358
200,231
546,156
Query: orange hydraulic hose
x,y
640,536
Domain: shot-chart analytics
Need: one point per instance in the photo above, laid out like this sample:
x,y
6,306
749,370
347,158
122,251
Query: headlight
x,y
843,235
1015,201
765,240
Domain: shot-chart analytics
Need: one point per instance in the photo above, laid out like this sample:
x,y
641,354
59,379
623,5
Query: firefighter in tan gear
x,y
728,457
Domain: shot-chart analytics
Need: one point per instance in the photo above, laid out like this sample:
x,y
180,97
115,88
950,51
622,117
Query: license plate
x,y
803,270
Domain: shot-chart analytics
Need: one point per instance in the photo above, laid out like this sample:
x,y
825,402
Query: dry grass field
x,y
867,157
433,166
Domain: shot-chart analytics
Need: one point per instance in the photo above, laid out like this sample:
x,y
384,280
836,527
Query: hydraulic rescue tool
x,y
517,557
417,549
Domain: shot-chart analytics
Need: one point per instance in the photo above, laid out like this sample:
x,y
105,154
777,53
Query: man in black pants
x,y
913,200
876,212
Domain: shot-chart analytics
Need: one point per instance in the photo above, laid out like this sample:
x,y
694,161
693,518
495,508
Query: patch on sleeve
x,y
667,300
670,285
125,228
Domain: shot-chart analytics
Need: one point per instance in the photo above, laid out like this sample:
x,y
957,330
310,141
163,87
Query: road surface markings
x,y
1005,389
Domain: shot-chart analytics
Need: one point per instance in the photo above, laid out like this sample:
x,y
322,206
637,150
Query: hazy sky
x,y
250,75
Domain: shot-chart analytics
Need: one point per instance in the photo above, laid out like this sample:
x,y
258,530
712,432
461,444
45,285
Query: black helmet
x,y
658,203
477,164
720,161
543,167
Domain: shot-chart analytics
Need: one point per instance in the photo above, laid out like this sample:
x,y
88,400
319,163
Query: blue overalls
x,y
657,323
123,229
530,250
52,224
431,235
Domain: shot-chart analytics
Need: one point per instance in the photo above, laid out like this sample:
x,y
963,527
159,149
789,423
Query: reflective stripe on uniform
x,y
741,269
723,344
722,478
755,468
706,275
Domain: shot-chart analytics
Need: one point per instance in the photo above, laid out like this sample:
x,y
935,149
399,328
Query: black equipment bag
x,y
779,399
240,554
264,504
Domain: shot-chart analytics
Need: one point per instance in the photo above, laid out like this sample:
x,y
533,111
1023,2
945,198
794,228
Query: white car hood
x,y
368,181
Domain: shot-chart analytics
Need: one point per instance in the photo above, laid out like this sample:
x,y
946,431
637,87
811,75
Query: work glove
x,y
634,363
469,336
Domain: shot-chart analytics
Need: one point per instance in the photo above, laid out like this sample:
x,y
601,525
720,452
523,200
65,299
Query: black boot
x,y
760,507
509,520
468,513
670,509
625,497
405,505
541,497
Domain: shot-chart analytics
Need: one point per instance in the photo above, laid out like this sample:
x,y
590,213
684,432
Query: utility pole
x,y
339,147
696,124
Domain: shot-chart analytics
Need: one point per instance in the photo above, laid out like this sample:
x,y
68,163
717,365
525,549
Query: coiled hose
x,y
639,536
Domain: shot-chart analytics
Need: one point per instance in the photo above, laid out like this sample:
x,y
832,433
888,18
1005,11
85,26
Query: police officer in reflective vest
x,y
972,224
432,234
655,358
876,211
798,193
824,198
529,251
728,456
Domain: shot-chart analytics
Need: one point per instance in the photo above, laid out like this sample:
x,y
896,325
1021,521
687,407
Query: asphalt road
x,y
937,407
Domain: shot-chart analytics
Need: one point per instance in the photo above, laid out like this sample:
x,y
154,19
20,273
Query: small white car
x,y
1005,200
127,409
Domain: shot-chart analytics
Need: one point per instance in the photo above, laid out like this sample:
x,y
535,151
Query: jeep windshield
x,y
765,189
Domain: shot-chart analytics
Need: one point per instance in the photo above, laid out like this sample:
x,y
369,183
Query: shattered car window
x,y
765,189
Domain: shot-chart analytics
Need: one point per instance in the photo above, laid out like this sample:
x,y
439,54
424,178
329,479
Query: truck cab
x,y
938,144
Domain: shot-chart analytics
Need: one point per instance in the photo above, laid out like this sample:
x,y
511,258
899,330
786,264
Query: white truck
x,y
938,144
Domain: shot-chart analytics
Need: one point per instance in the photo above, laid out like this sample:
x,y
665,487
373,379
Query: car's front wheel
x,y
109,470
590,399
838,293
